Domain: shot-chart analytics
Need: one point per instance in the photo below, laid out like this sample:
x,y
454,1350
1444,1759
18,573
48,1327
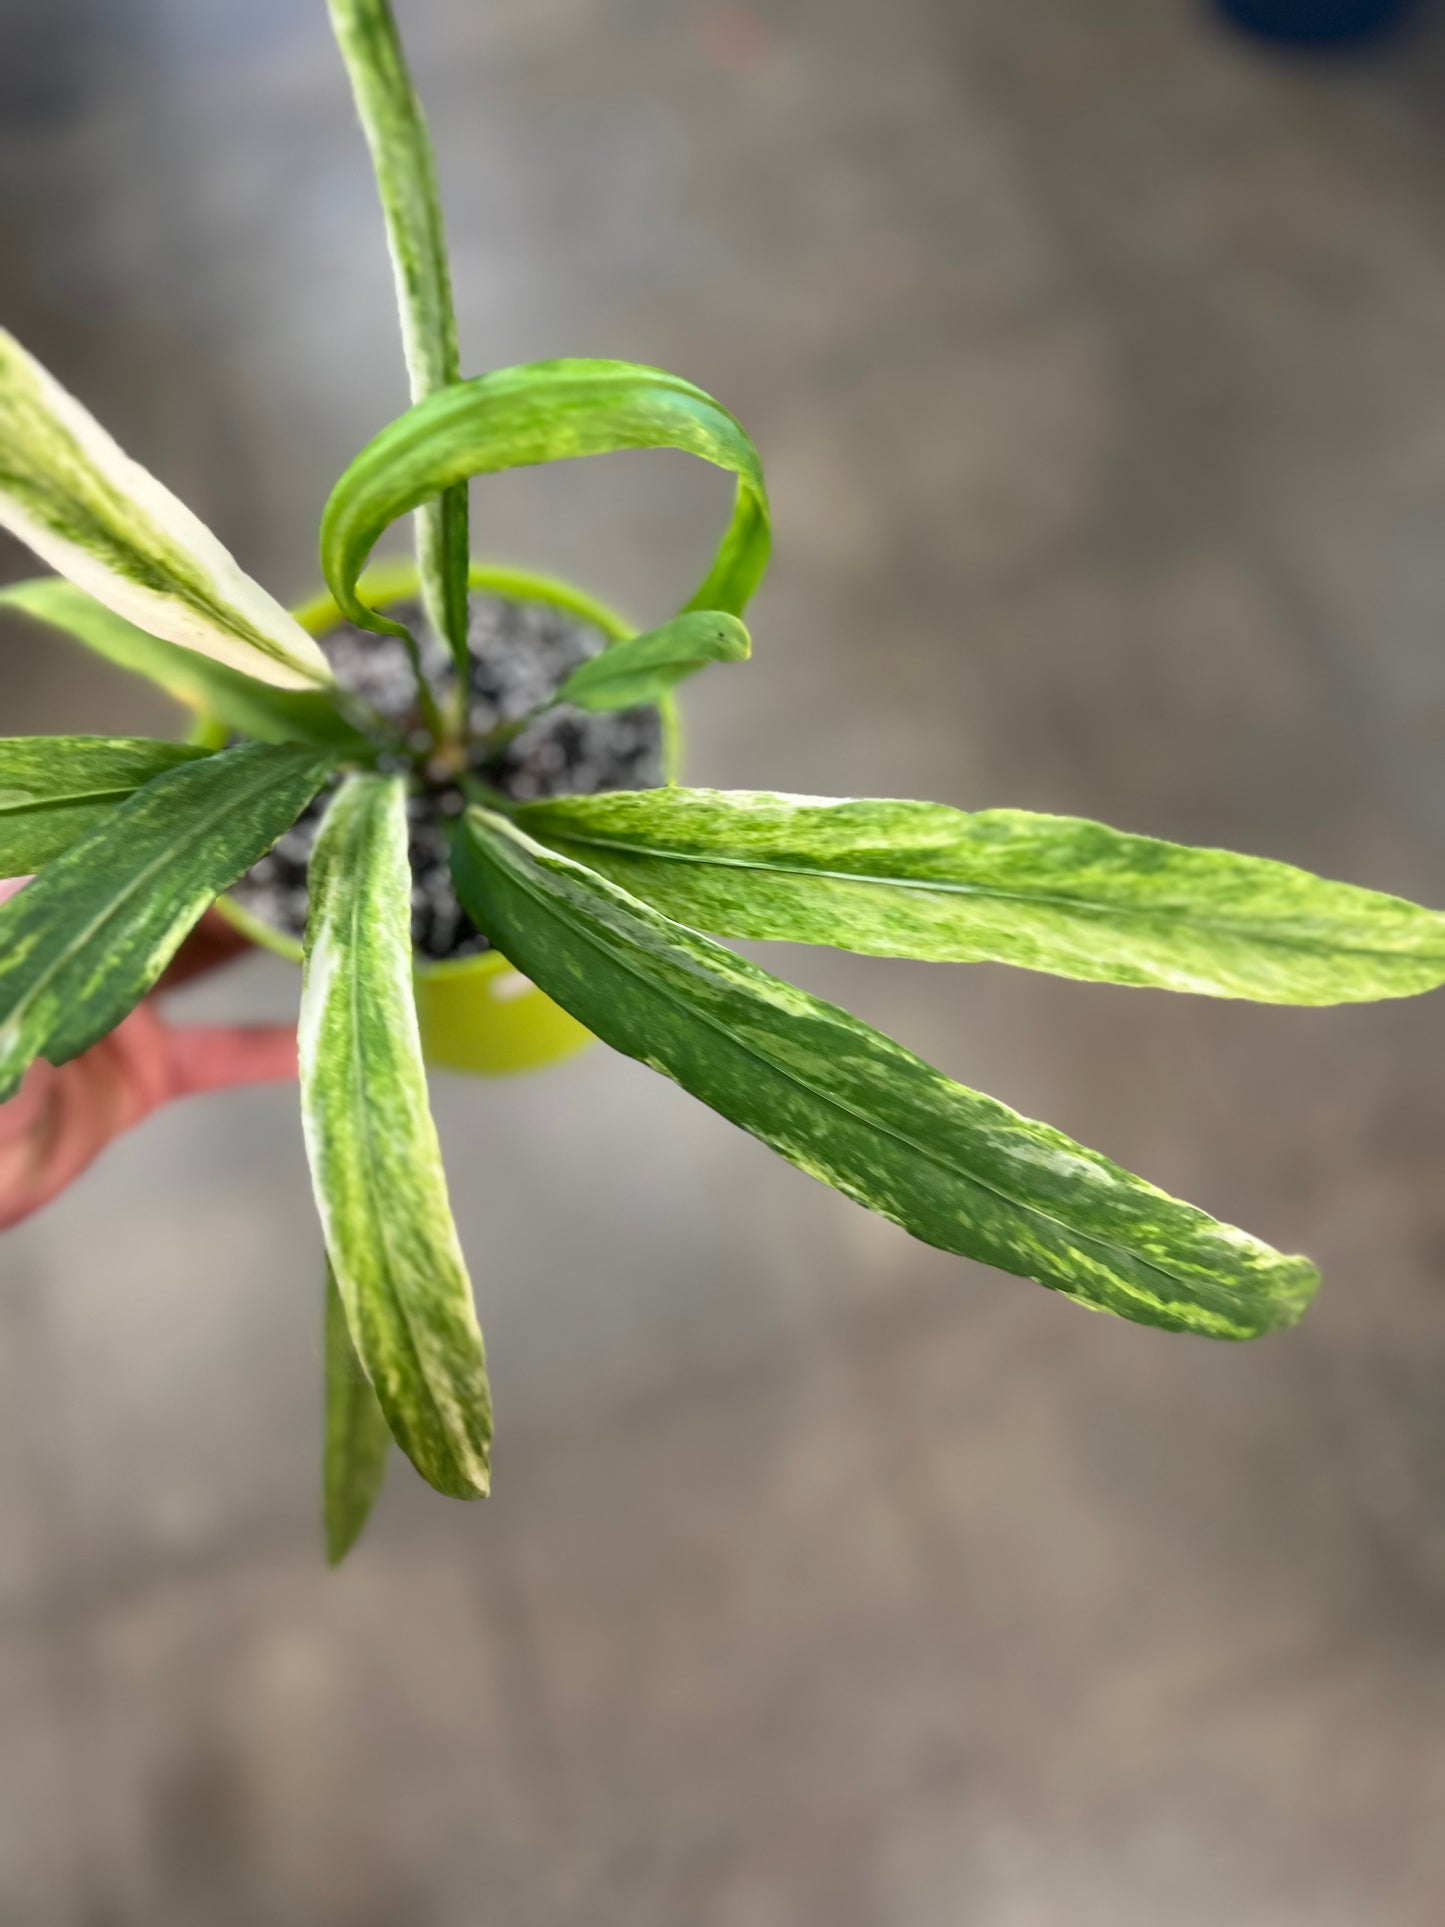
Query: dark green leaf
x,y
860,1112
1053,893
543,412
375,1162
83,943
645,667
357,1440
401,154
54,787
209,688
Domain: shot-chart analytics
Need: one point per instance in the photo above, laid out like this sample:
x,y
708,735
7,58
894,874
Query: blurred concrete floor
x,y
1098,364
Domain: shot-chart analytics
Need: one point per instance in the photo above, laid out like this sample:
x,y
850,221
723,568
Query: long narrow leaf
x,y
643,668
83,943
208,688
853,1108
357,1441
375,1162
70,493
1054,893
401,154
53,788
545,411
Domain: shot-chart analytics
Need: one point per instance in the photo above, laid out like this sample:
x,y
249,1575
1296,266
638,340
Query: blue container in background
x,y
1316,20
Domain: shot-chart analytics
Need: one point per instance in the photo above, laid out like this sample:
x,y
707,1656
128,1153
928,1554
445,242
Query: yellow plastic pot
x,y
477,1014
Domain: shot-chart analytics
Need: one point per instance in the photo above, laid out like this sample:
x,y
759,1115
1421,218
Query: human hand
x,y
62,1118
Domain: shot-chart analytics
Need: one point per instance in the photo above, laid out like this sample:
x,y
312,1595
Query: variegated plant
x,y
601,900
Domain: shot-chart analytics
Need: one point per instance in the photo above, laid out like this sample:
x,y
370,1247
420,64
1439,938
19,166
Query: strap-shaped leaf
x,y
401,154
357,1441
83,943
209,688
53,788
643,668
70,493
375,1162
1054,893
545,411
853,1108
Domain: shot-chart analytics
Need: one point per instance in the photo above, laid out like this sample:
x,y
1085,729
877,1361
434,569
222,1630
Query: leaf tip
x,y
339,1543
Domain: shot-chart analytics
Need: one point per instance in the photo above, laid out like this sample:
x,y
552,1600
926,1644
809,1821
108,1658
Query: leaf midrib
x,y
949,887
75,799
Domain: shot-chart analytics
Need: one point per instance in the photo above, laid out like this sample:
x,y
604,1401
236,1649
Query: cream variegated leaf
x,y
855,1109
375,1161
545,411
1055,893
71,494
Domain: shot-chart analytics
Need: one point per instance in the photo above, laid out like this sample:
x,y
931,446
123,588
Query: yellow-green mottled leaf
x,y
375,1162
643,668
1054,893
83,943
858,1111
206,687
357,1440
71,494
546,411
396,133
53,788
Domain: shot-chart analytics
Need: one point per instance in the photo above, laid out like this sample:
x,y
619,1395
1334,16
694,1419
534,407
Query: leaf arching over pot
x,y
543,411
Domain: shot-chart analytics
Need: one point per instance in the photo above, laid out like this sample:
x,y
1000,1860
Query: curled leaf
x,y
544,411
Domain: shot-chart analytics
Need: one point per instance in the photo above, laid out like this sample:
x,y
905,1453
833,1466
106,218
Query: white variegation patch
x,y
375,1161
72,494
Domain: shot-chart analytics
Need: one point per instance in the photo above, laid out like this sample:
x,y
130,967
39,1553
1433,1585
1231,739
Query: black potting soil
x,y
520,652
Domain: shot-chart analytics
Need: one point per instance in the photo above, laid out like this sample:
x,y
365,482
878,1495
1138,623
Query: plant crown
x,y
610,903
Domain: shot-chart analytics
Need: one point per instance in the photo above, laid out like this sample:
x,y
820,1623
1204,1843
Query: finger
x,y
212,1057
82,1106
9,885
22,1114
